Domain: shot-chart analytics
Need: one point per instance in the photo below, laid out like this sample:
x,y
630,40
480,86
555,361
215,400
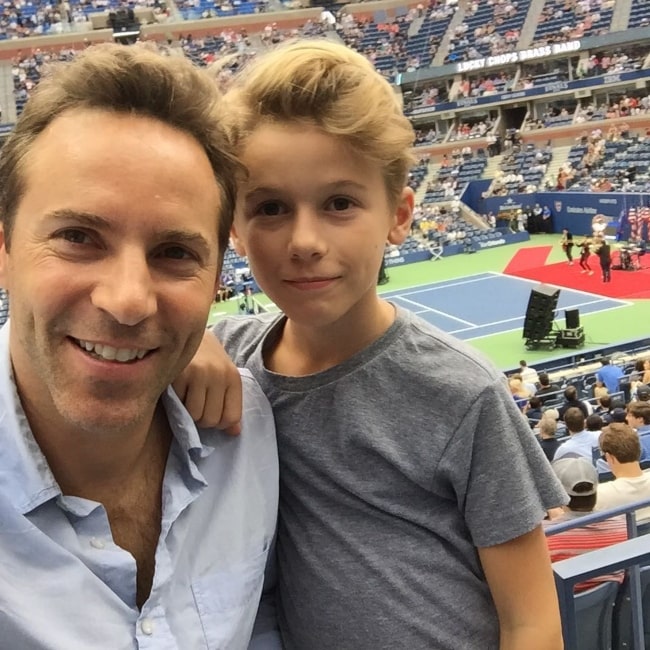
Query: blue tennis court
x,y
487,303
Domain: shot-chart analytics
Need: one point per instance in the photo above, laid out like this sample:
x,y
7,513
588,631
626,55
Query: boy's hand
x,y
210,387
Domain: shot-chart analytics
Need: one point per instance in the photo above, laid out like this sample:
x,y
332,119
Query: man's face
x,y
111,269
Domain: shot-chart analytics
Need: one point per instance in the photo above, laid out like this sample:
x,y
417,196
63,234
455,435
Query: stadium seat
x,y
594,614
622,627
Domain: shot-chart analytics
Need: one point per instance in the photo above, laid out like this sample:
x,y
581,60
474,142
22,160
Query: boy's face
x,y
313,217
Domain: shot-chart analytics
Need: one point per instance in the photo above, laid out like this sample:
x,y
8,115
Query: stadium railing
x,y
628,555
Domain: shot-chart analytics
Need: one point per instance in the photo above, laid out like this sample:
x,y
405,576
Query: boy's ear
x,y
237,243
402,218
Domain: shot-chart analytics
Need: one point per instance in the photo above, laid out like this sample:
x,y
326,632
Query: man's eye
x,y
177,253
74,236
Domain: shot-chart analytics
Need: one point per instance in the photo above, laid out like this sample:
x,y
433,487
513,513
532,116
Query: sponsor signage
x,y
550,88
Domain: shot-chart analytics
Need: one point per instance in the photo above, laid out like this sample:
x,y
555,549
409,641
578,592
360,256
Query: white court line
x,y
433,285
436,287
440,313
562,288
518,329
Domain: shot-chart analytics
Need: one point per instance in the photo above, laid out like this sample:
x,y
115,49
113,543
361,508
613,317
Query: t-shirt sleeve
x,y
503,481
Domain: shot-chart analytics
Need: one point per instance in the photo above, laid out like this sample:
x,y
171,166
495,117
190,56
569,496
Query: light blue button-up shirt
x,y
64,583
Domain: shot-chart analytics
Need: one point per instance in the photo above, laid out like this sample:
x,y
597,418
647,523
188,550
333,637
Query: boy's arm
x,y
210,387
520,578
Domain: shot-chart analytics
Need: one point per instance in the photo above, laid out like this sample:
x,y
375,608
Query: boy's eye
x,y
340,203
271,209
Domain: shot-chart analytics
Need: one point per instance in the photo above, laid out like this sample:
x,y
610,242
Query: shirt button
x,y
97,543
146,625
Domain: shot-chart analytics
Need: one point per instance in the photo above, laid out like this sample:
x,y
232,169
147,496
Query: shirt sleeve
x,y
503,481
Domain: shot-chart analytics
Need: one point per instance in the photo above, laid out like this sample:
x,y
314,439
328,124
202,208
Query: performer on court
x,y
585,252
567,244
605,258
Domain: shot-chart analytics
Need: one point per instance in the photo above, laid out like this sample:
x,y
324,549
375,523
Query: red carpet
x,y
528,258
631,285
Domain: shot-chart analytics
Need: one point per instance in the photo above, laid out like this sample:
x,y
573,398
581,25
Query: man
x,y
121,525
621,449
638,417
581,441
609,375
547,431
571,401
567,244
580,480
546,391
604,253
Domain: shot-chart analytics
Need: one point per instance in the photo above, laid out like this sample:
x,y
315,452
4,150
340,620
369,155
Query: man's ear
x,y
402,218
237,243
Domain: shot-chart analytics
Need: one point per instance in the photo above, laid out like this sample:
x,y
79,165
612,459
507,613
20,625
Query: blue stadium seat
x,y
594,616
622,628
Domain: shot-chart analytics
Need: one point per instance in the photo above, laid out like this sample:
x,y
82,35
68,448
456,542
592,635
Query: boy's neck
x,y
302,350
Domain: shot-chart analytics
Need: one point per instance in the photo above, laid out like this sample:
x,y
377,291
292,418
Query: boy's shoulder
x,y
443,353
240,335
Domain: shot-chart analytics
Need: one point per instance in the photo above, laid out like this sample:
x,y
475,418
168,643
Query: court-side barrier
x,y
507,238
628,555
407,258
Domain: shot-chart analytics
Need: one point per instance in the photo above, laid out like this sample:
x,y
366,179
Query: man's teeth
x,y
112,354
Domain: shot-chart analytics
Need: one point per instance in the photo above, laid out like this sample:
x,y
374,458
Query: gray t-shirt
x,y
394,466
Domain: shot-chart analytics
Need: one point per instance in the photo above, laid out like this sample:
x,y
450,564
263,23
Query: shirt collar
x,y
25,476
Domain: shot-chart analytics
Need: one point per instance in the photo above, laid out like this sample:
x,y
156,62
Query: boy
x,y
398,527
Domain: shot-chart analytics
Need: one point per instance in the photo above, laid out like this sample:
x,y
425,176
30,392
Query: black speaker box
x,y
540,312
572,319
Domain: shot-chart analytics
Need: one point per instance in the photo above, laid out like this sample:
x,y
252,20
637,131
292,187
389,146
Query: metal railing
x,y
628,555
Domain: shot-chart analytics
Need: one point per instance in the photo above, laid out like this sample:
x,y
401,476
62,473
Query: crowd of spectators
x,y
569,20
492,36
490,84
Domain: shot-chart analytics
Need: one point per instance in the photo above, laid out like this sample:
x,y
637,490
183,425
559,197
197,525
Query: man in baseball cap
x,y
580,480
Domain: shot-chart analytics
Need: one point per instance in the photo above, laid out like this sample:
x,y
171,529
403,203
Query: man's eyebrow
x,y
65,214
171,235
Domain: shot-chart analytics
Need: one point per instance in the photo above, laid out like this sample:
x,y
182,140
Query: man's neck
x,y
91,466
626,470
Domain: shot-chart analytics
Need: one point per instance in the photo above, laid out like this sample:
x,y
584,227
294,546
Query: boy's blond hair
x,y
334,88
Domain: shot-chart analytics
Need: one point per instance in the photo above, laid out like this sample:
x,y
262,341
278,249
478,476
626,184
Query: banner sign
x,y
407,258
550,88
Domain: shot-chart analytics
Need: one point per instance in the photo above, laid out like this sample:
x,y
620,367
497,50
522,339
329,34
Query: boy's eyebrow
x,y
334,185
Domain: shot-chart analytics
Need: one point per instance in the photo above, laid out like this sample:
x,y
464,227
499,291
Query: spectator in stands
x,y
603,408
118,188
643,393
546,390
581,442
571,400
304,112
547,428
533,411
580,480
621,449
594,423
638,417
519,392
609,375
528,374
